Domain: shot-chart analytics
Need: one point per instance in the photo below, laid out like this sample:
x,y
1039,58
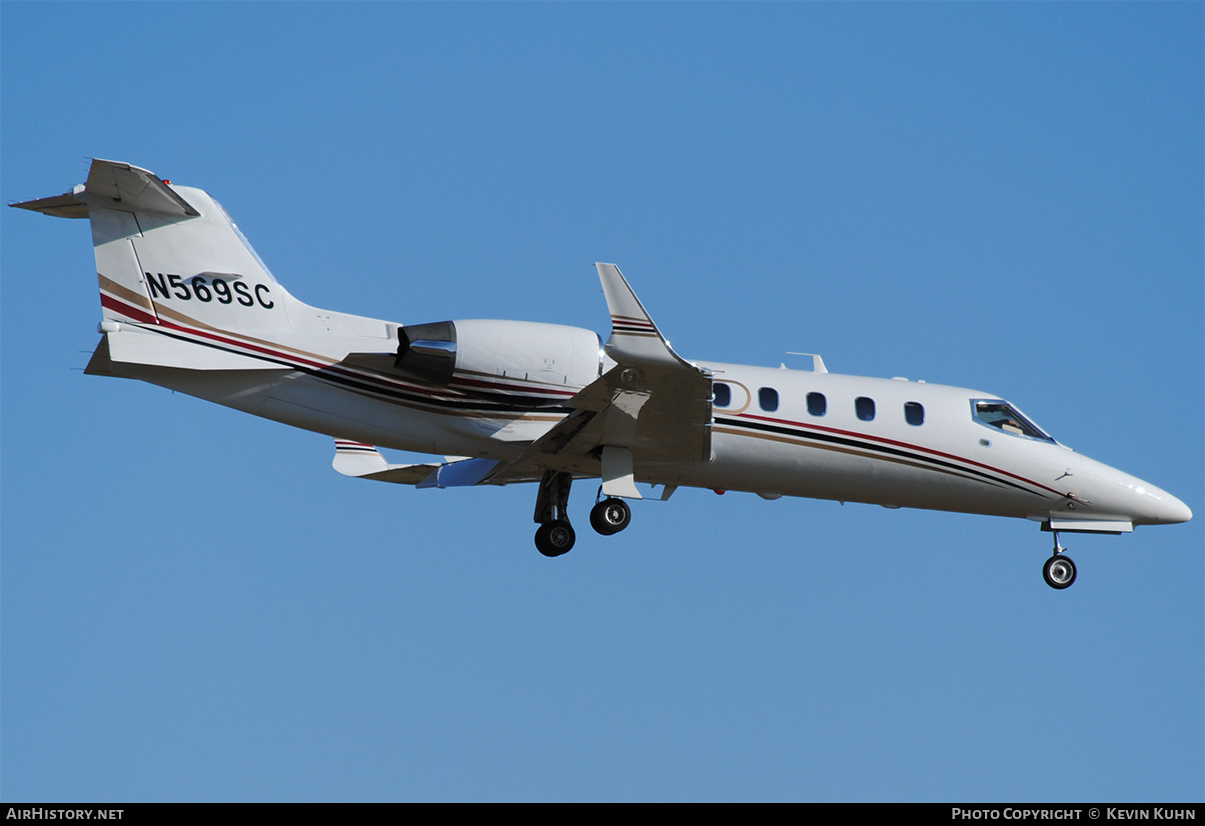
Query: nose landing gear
x,y
1059,570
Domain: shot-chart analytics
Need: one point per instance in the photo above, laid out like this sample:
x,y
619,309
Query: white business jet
x,y
187,304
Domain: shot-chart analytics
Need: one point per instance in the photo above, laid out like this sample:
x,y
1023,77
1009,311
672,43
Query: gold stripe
x,y
164,311
853,452
125,293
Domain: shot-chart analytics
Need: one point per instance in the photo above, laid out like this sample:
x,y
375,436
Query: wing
x,y
651,408
363,461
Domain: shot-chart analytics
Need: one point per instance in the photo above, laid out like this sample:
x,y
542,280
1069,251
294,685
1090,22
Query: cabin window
x,y
864,408
1006,418
817,404
721,394
914,413
767,397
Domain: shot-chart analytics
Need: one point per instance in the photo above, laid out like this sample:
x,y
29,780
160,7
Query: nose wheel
x,y
1059,570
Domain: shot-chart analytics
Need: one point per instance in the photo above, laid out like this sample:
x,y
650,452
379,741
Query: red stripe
x,y
329,366
129,310
907,445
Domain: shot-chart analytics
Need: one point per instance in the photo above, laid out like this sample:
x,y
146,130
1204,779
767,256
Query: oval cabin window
x,y
817,404
767,397
864,408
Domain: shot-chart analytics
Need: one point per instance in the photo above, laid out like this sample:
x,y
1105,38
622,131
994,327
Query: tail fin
x,y
169,255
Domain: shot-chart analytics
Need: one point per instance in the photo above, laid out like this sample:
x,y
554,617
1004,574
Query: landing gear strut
x,y
555,535
1059,570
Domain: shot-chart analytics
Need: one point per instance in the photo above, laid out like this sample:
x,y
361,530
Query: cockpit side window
x,y
1004,417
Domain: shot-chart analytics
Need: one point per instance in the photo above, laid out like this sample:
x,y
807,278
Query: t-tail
x,y
171,257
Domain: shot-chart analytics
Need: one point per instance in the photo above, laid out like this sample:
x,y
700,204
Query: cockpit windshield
x,y
1003,416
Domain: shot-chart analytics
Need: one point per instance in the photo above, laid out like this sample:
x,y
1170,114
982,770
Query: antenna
x,y
817,362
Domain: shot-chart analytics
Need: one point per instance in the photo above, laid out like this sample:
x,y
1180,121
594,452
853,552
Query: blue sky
x,y
1001,196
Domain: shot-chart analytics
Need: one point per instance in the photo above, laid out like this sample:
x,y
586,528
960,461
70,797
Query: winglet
x,y
634,339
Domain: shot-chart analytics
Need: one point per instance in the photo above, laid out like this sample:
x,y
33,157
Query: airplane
x,y
187,304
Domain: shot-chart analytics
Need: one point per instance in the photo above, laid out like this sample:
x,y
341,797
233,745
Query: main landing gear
x,y
610,516
556,536
1059,570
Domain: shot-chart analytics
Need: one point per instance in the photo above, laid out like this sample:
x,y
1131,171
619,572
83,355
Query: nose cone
x,y
1128,497
1172,510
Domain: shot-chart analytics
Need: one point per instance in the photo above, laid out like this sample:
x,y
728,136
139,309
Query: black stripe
x,y
872,447
512,405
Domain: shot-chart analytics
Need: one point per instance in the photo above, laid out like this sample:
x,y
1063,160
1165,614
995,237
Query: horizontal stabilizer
x,y
115,185
66,205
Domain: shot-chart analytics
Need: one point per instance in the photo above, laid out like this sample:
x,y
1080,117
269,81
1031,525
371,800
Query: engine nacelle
x,y
542,363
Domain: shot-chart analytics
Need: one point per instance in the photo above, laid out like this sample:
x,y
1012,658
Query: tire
x,y
610,516
1059,572
555,538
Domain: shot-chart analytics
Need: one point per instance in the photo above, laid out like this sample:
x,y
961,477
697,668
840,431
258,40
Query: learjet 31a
x,y
188,305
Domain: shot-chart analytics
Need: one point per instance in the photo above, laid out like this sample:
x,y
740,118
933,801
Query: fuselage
x,y
775,432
